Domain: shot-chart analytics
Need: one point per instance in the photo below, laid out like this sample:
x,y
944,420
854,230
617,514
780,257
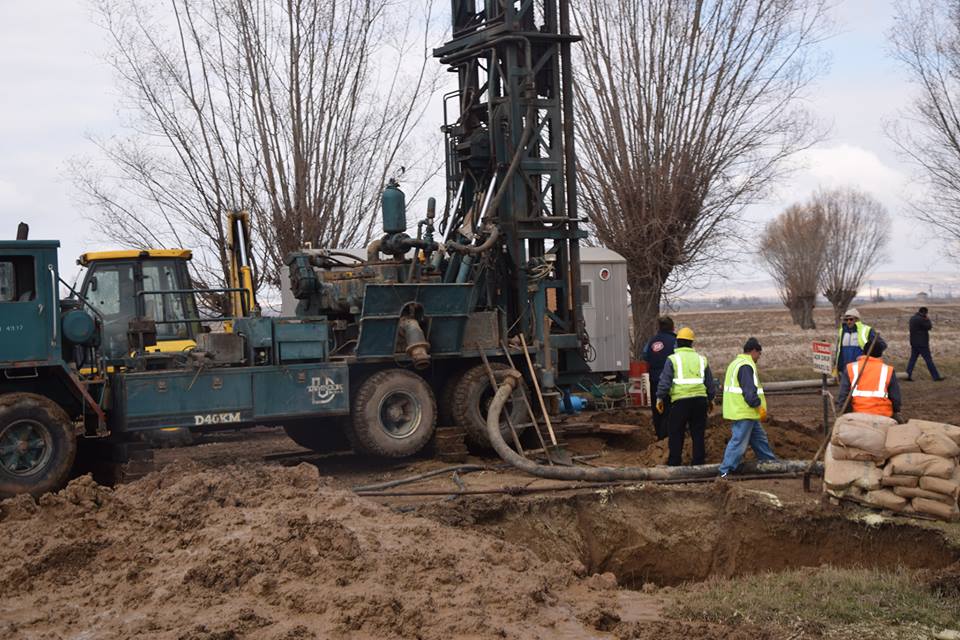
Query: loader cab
x,y
151,283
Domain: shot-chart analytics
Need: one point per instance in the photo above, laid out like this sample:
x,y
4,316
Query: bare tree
x,y
857,229
792,249
926,39
687,110
292,109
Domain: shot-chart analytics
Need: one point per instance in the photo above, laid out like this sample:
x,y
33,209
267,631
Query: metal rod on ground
x,y
464,468
506,414
846,403
536,386
578,487
526,402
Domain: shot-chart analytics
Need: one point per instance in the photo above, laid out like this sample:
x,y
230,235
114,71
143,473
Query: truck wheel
x,y
321,435
394,414
37,445
472,396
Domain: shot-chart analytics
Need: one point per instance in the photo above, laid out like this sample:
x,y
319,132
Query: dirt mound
x,y
790,441
265,552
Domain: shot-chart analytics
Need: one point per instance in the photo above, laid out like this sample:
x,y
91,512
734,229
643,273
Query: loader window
x,y
17,279
166,308
110,290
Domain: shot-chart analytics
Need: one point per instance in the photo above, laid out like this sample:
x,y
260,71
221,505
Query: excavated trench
x,y
672,535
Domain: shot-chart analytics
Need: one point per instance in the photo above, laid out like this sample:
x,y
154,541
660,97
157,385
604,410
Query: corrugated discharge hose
x,y
604,474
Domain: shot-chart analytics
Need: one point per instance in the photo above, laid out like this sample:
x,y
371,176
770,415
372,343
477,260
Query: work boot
x,y
940,379
908,379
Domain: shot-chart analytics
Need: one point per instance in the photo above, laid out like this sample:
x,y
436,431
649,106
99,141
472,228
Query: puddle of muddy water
x,y
668,536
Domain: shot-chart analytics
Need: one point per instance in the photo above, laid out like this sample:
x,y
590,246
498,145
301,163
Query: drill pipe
x,y
606,474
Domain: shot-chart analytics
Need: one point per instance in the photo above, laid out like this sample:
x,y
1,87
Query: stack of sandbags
x,y
920,471
922,467
857,446
861,436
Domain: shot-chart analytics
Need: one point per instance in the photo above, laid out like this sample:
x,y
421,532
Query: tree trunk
x,y
645,295
841,300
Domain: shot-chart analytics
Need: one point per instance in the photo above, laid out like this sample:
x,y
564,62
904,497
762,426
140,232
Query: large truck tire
x,y
320,435
37,445
471,398
394,414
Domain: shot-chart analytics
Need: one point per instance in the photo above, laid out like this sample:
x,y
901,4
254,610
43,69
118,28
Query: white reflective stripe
x,y
678,368
738,390
881,391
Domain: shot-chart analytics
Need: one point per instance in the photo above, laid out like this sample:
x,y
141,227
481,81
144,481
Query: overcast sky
x,y
56,89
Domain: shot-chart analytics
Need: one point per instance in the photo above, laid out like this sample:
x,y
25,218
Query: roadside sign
x,y
823,357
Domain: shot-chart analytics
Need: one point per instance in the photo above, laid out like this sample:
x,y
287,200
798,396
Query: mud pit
x,y
668,536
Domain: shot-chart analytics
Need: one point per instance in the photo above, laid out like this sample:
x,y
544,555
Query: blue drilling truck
x,y
382,346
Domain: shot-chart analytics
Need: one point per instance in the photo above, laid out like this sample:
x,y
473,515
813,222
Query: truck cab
x,y
150,283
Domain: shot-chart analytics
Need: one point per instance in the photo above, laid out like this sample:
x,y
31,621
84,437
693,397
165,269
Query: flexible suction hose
x,y
604,474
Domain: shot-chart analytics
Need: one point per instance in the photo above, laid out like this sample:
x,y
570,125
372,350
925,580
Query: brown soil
x,y
236,538
266,552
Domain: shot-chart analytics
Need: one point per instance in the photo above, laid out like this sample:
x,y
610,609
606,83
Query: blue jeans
x,y
922,352
745,433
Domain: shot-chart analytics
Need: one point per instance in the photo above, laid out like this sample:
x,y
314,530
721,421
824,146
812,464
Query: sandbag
x,y
913,492
862,432
921,464
899,481
841,452
886,500
840,474
938,444
902,439
946,487
936,509
949,430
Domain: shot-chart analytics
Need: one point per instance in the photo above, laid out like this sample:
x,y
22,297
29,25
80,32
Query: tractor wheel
x,y
321,435
37,445
394,414
471,397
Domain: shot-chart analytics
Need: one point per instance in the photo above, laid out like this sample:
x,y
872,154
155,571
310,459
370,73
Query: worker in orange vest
x,y
877,390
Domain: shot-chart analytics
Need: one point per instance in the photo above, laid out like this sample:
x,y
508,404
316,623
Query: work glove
x,y
711,407
899,418
763,414
660,405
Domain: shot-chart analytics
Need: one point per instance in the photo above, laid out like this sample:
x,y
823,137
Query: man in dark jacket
x,y
920,326
658,349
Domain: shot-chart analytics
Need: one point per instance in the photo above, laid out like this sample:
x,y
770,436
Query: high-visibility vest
x,y
871,393
735,407
863,336
688,371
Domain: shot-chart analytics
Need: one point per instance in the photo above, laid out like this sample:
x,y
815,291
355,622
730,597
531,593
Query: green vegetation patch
x,y
836,603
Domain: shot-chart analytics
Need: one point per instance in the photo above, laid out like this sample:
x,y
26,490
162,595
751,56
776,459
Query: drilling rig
x,y
382,347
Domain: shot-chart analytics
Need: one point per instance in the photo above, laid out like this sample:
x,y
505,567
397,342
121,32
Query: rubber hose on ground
x,y
605,474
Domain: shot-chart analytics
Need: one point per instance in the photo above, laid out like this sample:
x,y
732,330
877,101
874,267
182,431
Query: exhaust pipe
x,y
417,346
607,474
23,230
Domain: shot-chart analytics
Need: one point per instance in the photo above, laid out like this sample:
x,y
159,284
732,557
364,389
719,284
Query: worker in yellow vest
x,y
687,383
852,337
745,404
877,390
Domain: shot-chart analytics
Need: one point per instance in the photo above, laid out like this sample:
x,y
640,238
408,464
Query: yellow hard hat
x,y
686,334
